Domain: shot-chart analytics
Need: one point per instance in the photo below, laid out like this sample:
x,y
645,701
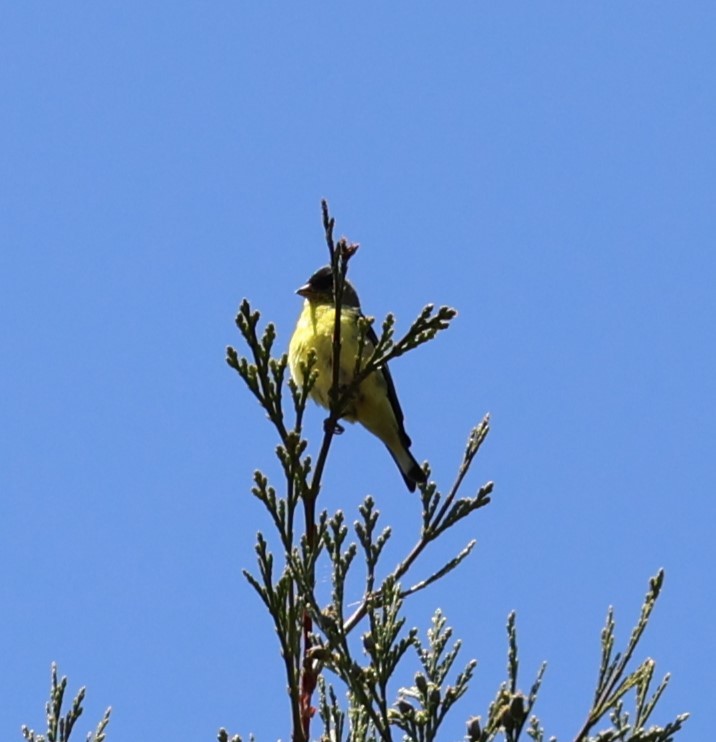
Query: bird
x,y
375,404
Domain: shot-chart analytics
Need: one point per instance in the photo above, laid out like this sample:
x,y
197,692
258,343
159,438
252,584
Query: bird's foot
x,y
333,427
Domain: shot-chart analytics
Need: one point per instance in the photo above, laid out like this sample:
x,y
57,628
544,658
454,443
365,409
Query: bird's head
x,y
319,289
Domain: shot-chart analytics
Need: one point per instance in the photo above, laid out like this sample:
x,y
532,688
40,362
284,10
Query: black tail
x,y
409,469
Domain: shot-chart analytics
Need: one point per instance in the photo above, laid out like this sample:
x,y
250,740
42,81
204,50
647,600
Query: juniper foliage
x,y
345,670
59,725
318,642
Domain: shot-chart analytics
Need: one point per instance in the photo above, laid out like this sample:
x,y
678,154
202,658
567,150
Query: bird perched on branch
x,y
375,404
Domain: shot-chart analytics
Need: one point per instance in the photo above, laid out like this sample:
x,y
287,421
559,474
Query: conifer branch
x,y
316,639
613,681
59,726
435,523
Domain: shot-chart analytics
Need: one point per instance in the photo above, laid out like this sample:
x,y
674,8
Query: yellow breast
x,y
314,331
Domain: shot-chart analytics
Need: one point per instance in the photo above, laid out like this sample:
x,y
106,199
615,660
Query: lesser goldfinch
x,y
375,404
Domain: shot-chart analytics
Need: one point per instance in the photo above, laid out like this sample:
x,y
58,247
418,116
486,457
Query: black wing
x,y
392,395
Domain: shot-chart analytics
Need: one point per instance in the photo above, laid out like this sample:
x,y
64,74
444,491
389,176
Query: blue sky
x,y
547,170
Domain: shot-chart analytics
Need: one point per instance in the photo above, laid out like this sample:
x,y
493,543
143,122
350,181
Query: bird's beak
x,y
304,290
